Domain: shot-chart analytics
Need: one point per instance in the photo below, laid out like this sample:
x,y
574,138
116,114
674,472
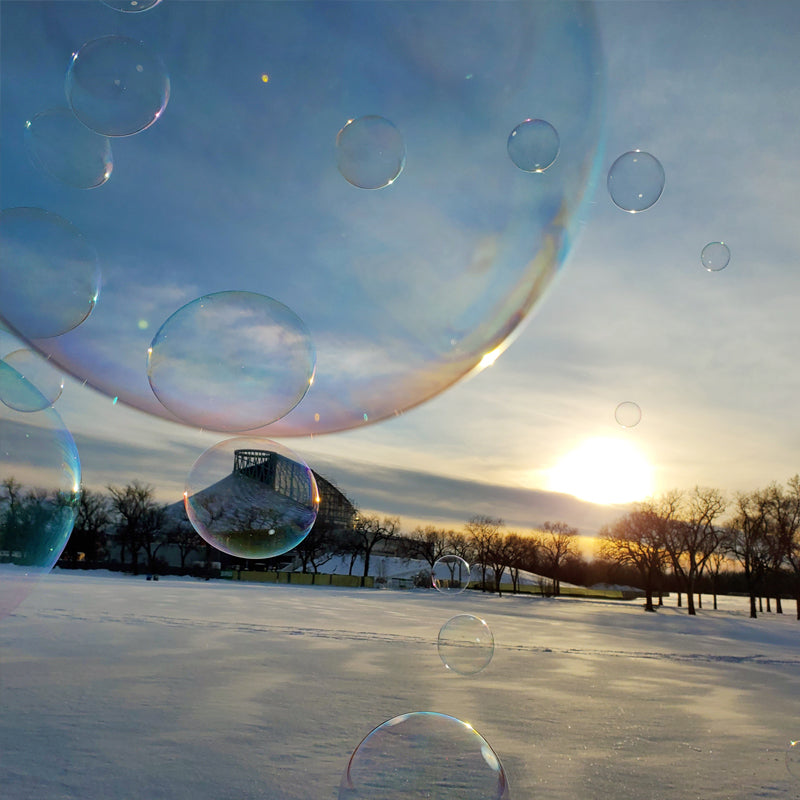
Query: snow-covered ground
x,y
116,688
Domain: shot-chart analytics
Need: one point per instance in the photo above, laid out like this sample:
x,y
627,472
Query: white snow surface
x,y
117,688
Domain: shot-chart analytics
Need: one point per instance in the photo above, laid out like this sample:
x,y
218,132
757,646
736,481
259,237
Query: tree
x,y
370,531
637,540
318,547
558,542
482,533
745,539
523,554
430,544
91,527
140,521
181,534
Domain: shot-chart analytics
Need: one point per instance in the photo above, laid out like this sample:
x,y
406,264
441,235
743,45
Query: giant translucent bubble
x,y
424,755
39,489
405,288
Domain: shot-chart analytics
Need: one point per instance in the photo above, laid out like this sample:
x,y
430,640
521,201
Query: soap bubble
x,y
466,644
37,371
48,272
715,256
405,289
116,86
635,181
424,754
628,414
131,6
370,152
231,361
793,759
533,145
251,497
450,574
65,149
39,490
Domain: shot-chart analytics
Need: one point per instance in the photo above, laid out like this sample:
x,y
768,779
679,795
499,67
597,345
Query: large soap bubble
x,y
251,497
35,370
405,289
65,149
39,489
424,754
49,273
231,361
635,181
450,574
370,152
116,86
466,644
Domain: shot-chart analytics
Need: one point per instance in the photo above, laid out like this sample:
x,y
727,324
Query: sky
x,y
405,288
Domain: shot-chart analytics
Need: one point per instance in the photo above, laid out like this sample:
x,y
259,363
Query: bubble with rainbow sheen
x,y
231,361
251,497
450,574
465,644
63,148
424,754
406,288
116,86
40,479
49,273
37,371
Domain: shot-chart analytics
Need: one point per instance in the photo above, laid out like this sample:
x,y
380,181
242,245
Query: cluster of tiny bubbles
x,y
65,149
116,86
49,273
231,361
793,759
424,754
715,256
251,497
131,6
533,145
466,644
39,490
370,152
635,181
628,414
39,372
450,574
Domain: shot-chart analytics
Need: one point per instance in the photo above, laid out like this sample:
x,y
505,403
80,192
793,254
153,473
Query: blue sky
x,y
406,287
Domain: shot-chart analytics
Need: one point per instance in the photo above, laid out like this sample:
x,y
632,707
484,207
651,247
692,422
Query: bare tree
x,y
140,521
482,532
371,531
91,527
558,542
430,544
746,539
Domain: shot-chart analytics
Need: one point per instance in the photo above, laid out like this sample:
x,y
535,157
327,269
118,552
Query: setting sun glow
x,y
603,470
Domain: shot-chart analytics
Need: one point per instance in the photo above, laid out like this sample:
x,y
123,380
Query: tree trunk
x,y
699,600
769,605
798,603
648,600
679,599
753,614
778,604
715,600
761,604
690,609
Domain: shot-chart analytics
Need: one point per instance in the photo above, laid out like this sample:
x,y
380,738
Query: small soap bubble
x,y
424,755
450,574
231,361
65,149
131,6
715,256
48,272
533,145
116,86
39,489
793,759
466,644
635,181
370,152
251,497
628,414
37,371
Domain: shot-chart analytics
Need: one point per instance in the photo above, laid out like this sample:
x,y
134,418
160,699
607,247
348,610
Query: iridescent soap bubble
x,y
628,414
424,754
116,86
131,6
450,574
533,145
406,289
466,644
65,149
370,152
49,273
231,361
37,371
251,497
39,489
715,256
635,181
793,759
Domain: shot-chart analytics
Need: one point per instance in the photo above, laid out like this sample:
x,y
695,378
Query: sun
x,y
603,470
